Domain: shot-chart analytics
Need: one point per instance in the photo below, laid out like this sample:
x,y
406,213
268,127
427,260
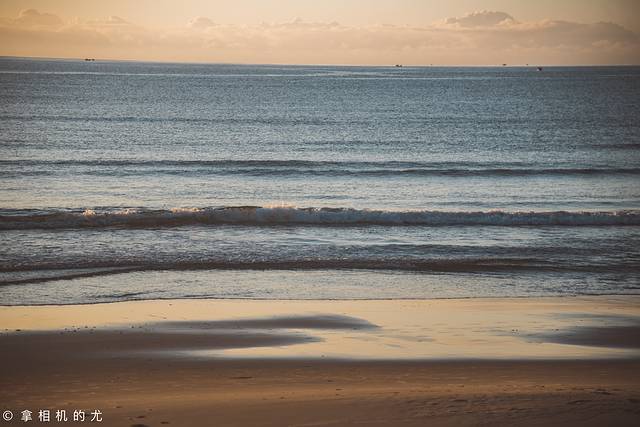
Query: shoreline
x,y
464,298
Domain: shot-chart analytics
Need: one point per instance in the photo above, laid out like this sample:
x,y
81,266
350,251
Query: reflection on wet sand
x,y
412,329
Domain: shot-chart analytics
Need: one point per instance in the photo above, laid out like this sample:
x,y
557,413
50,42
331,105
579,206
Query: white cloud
x,y
484,18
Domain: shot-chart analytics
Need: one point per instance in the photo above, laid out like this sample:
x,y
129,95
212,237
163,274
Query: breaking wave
x,y
284,215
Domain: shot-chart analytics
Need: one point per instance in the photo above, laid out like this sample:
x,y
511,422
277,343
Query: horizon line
x,y
503,65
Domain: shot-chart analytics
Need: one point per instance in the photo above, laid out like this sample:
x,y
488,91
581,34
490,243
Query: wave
x,y
285,215
271,121
299,167
76,269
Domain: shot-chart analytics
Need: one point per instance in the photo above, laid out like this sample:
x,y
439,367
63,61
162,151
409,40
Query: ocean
x,y
131,180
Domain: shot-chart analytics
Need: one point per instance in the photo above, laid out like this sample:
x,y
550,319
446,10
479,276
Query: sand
x,y
547,361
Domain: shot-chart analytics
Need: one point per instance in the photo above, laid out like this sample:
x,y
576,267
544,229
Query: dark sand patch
x,y
331,321
175,336
594,336
601,319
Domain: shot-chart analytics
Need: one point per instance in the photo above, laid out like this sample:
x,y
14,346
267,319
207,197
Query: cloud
x,y
33,18
484,18
556,33
484,37
200,22
114,21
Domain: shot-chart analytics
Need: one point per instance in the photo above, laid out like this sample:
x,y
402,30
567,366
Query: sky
x,y
358,32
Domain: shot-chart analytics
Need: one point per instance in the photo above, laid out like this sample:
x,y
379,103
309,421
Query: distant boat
x,y
399,65
89,59
539,68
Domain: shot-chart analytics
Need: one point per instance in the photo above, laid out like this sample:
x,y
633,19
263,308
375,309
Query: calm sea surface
x,y
136,180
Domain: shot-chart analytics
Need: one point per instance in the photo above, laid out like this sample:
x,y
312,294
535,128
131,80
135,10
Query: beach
x,y
195,244
553,361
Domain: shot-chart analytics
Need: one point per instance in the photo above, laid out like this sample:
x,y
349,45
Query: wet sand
x,y
569,361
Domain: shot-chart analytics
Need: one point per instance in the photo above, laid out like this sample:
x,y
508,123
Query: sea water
x,y
131,180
